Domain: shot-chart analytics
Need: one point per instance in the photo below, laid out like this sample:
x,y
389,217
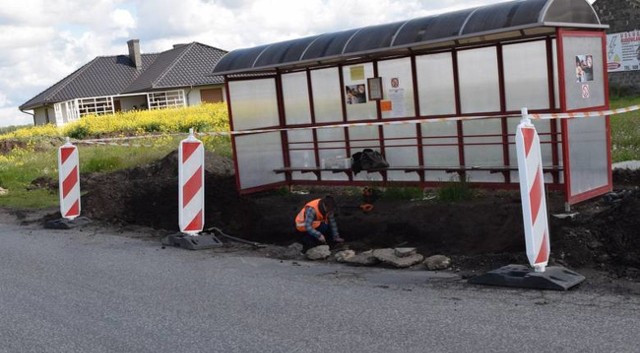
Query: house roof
x,y
507,20
185,65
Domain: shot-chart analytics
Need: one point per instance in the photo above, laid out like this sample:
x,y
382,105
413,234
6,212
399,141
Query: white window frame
x,y
166,99
94,105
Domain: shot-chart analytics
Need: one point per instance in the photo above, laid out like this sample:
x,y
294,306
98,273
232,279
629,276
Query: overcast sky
x,y
43,41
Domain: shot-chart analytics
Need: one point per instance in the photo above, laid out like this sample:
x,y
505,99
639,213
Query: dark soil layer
x,y
482,233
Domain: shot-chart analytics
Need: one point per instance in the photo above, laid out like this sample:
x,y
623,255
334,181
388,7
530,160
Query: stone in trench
x,y
342,256
437,262
365,258
293,251
404,252
320,252
388,256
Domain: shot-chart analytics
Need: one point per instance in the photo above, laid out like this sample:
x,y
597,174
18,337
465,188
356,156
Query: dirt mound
x,y
604,234
148,195
485,232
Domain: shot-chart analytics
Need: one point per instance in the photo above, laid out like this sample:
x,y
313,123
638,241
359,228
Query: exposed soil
x,y
479,234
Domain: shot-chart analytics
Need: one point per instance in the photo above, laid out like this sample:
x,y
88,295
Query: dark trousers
x,y
309,241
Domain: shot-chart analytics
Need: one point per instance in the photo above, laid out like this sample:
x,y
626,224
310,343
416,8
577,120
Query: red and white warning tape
x,y
584,114
122,141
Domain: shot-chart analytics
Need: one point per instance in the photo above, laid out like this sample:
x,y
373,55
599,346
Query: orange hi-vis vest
x,y
319,216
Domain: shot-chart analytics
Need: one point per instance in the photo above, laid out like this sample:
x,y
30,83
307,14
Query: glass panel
x,y
397,85
400,135
402,156
556,80
258,155
584,72
296,98
359,106
361,137
440,133
440,149
479,84
483,145
331,146
435,84
326,95
301,148
406,152
253,104
588,161
526,80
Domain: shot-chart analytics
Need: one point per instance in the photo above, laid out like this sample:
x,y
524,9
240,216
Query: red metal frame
x,y
574,199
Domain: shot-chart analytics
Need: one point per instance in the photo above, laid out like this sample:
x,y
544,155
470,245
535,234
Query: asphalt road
x,y
92,291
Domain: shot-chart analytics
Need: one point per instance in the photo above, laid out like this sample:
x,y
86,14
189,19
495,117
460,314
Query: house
x,y
177,77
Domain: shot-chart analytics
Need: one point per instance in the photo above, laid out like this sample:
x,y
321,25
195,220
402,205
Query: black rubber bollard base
x,y
521,276
64,223
192,242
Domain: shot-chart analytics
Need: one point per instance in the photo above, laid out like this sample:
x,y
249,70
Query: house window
x,y
72,112
168,99
97,105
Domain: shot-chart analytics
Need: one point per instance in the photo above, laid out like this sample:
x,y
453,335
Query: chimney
x,y
134,53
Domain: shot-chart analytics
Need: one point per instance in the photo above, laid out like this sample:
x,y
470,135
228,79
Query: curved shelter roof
x,y
507,20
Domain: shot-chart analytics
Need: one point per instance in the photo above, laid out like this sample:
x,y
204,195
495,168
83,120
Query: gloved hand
x,y
322,239
337,239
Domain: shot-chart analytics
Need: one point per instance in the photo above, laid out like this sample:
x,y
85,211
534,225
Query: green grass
x,y
20,167
455,191
16,173
625,131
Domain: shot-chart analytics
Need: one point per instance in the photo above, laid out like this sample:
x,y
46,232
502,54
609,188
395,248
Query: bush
x,y
79,132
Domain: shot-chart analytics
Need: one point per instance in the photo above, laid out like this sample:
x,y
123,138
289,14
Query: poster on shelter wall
x,y
396,95
356,94
623,51
584,68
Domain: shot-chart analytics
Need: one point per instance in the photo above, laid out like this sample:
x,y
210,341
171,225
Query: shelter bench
x,y
460,169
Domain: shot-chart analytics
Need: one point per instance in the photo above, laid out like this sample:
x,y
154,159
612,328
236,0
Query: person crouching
x,y
316,223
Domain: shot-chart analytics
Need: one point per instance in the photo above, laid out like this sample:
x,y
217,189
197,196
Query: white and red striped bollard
x,y
69,180
191,185
534,204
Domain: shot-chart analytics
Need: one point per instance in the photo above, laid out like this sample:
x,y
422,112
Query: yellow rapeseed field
x,y
203,118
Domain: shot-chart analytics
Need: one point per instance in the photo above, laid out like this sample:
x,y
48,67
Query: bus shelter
x,y
439,97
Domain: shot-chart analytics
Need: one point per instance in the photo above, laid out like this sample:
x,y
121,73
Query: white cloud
x,y
13,117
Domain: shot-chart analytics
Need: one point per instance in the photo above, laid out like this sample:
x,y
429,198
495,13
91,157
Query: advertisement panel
x,y
623,51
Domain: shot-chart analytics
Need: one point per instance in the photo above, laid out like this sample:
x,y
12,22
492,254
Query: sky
x,y
43,41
